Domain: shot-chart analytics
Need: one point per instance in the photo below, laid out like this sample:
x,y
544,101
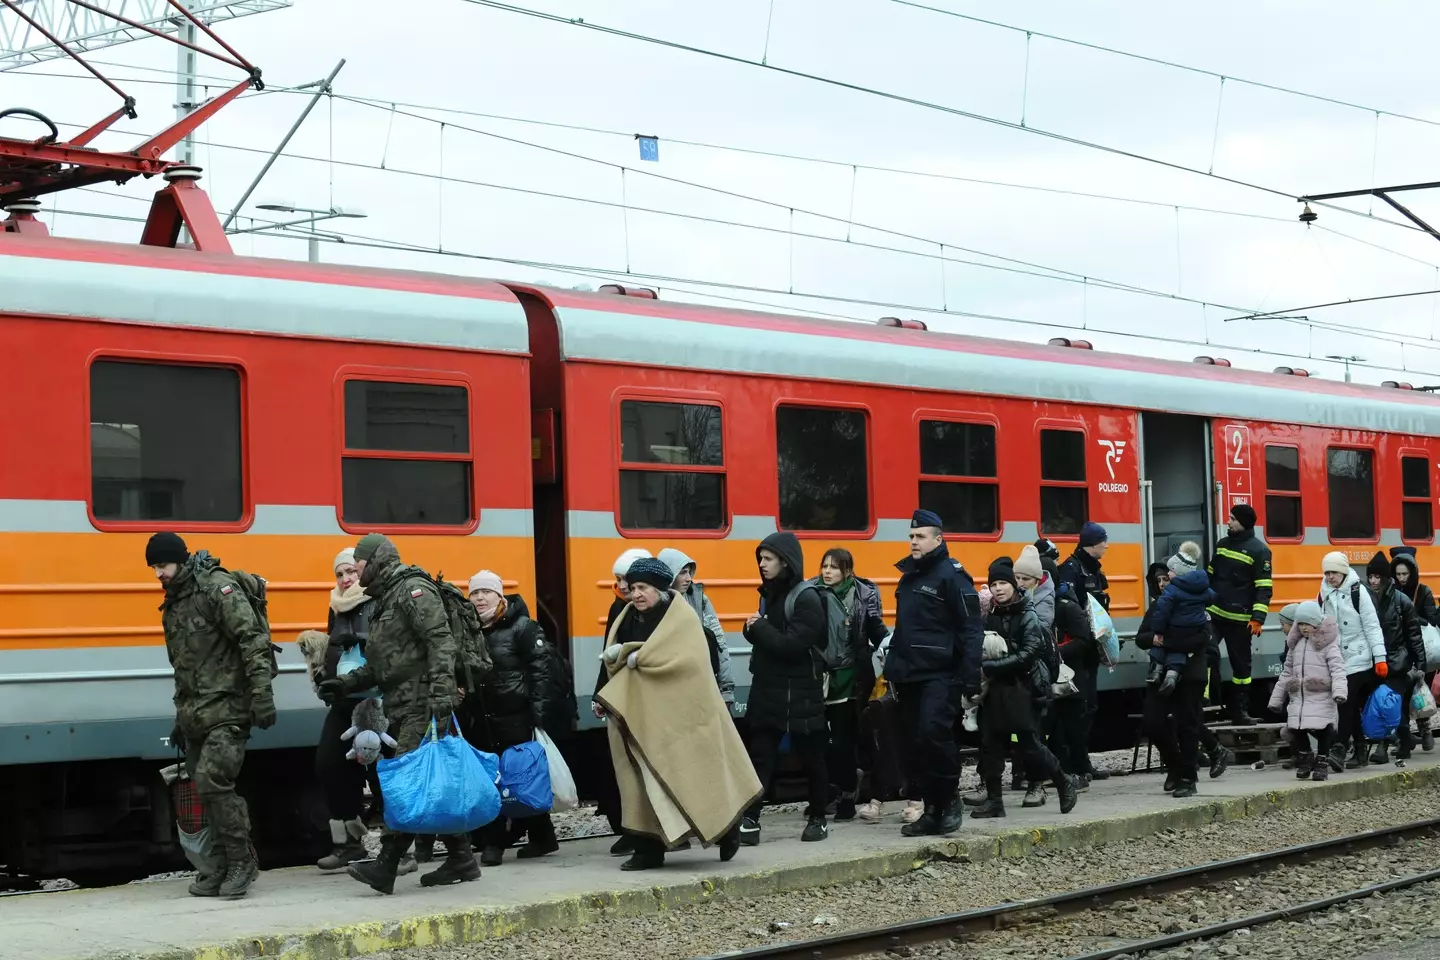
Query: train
x,y
272,412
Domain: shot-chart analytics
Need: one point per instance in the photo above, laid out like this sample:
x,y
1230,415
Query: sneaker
x,y
407,865
817,829
208,884
871,811
1081,781
1035,796
749,832
1221,761
1098,774
993,808
537,848
1185,788
913,810
977,798
925,825
1321,772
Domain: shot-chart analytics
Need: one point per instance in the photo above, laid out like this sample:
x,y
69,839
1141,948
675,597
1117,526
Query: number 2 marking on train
x,y
1239,444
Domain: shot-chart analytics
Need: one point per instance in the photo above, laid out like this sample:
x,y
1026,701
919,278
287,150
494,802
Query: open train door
x,y
1177,476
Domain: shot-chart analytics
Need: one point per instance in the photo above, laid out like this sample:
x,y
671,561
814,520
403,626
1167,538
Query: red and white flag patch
x,y
416,593
225,591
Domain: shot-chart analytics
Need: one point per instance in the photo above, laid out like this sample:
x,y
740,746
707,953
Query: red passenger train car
x,y
273,411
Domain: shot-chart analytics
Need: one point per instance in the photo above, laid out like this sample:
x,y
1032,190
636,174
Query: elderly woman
x,y
680,765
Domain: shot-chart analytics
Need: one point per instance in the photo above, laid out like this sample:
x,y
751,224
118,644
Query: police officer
x,y
934,660
220,652
411,657
1240,576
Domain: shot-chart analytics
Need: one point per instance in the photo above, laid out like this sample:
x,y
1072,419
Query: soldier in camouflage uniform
x,y
220,652
410,656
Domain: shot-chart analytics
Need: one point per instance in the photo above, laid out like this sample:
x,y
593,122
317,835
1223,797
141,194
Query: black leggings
x,y
342,780
841,755
764,749
1360,685
1322,739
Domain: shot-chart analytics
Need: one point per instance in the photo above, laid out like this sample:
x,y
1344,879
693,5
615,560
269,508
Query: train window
x,y
1417,519
1064,496
951,451
673,476
1352,493
824,469
165,443
407,459
1283,519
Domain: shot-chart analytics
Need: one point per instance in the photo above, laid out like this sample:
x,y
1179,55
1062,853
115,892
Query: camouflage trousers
x,y
214,763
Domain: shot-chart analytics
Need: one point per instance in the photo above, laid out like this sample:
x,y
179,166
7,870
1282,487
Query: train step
x,y
1260,741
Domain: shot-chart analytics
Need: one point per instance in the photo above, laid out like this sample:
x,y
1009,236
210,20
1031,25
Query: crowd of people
x,y
872,714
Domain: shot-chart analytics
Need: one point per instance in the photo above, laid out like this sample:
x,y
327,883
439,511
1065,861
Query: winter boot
x,y
1427,737
730,844
379,874
1336,757
648,855
1381,753
348,837
977,798
845,806
1321,772
458,867
491,856
1221,761
1185,788
208,884
1238,710
1304,765
1065,787
626,844
1035,796
425,848
1359,756
1407,744
1171,782
542,840
994,805
239,874
926,825
948,815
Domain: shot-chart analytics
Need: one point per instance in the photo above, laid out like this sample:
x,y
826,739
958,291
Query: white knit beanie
x,y
622,563
485,580
1028,563
1335,562
345,556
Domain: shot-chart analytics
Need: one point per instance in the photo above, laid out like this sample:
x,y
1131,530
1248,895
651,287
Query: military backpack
x,y
472,655
252,588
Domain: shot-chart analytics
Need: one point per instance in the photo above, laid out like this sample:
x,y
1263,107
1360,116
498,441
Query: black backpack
x,y
560,710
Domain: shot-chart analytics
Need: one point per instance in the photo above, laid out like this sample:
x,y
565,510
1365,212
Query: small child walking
x,y
1314,684
1178,618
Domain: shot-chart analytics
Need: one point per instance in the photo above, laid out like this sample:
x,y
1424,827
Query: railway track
x,y
976,923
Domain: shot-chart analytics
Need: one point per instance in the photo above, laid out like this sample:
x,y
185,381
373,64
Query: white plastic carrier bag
x,y
562,785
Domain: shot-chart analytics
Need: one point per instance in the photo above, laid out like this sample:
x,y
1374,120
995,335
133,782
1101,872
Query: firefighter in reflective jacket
x,y
1240,576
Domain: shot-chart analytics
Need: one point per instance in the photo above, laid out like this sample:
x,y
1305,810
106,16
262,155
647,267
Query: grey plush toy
x,y
367,730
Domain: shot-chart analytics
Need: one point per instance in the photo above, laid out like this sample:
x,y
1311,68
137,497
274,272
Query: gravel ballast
x,y
728,923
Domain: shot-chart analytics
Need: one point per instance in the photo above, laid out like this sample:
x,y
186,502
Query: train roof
x,y
62,277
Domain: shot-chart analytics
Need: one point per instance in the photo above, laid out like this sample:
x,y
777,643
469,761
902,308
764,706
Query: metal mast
x,y
49,26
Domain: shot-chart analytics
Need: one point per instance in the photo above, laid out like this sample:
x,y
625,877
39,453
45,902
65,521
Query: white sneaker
x,y
913,811
871,811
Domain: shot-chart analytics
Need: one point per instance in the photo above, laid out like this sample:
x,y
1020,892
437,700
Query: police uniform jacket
x,y
938,632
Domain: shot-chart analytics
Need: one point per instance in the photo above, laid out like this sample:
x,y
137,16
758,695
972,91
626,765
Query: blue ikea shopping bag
x,y
442,787
1381,717
525,781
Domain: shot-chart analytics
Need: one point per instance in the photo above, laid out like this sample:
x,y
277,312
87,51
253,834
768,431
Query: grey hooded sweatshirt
x,y
695,596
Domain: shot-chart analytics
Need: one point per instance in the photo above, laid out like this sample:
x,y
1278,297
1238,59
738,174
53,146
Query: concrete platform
x,y
304,915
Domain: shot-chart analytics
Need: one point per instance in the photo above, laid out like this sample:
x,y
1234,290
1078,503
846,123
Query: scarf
x,y
843,588
348,600
496,615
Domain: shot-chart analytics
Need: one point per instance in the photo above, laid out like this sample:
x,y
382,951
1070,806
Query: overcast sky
x,y
455,55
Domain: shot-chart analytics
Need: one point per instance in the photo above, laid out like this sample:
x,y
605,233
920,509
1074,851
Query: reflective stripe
x,y
1234,555
1262,608
1237,617
1264,583
1242,681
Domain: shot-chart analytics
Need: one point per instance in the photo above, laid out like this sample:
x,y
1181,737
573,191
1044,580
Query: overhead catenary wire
x,y
1161,61
911,101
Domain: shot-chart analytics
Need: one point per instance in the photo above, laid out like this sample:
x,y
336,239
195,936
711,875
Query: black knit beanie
x,y
1378,566
1002,572
165,548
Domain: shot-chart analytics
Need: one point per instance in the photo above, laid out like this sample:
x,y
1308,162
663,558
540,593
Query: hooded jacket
x,y
1180,607
1419,593
938,626
1404,644
1312,679
786,659
705,610
513,696
1362,642
1042,597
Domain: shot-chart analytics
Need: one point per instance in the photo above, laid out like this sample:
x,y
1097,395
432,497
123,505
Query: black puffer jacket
x,y
513,696
867,632
786,657
1404,644
1029,659
1419,593
346,630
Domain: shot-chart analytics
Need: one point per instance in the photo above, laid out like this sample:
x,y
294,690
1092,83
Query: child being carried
x,y
1181,625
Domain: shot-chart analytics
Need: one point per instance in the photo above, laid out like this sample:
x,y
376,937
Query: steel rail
x,y
984,919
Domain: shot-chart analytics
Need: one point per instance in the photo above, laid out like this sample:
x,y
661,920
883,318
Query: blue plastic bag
x,y
525,781
1105,634
442,787
352,658
1381,717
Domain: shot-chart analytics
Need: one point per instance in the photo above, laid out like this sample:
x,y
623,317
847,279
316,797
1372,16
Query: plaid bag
x,y
192,825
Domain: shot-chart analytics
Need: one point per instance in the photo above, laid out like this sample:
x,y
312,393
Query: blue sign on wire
x,y
649,148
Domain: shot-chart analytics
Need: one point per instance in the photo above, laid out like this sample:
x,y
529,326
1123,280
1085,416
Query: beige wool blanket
x,y
680,764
